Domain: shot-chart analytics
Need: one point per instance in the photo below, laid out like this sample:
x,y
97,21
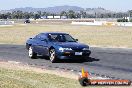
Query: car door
x,y
42,46
36,43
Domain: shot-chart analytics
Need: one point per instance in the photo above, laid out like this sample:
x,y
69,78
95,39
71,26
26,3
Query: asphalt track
x,y
108,62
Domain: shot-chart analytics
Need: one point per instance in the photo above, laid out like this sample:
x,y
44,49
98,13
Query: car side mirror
x,y
76,40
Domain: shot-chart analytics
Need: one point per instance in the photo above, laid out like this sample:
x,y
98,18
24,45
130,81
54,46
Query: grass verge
x,y
104,36
29,79
14,75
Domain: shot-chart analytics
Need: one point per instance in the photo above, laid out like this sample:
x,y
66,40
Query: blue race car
x,y
56,46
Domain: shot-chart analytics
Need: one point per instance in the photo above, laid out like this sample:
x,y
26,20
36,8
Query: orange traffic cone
x,y
85,74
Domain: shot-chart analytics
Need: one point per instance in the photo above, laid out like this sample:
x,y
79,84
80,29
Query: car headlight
x,y
62,49
85,48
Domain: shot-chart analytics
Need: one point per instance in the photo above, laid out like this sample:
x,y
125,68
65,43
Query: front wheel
x,y
32,54
52,55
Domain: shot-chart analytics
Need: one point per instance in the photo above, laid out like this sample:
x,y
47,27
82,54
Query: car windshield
x,y
60,38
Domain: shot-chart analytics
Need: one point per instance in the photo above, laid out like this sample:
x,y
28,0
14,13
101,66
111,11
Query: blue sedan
x,y
56,46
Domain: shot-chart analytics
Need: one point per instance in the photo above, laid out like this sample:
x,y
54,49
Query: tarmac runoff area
x,y
103,62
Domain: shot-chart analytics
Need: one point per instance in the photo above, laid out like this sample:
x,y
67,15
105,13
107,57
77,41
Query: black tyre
x,y
52,55
31,54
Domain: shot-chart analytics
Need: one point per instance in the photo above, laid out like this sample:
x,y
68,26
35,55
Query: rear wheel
x,y
52,55
32,54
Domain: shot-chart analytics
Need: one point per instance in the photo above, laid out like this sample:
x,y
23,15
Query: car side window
x,y
37,37
42,36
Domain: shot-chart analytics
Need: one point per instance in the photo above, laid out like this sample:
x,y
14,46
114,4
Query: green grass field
x,y
22,78
29,79
92,35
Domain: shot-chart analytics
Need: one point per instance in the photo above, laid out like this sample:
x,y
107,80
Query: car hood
x,y
71,45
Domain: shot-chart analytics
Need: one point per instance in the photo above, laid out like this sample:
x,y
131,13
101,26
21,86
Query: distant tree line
x,y
69,14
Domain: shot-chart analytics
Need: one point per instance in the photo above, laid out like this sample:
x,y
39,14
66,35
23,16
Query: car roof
x,y
53,33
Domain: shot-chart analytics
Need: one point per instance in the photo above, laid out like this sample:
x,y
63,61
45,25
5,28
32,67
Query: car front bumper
x,y
71,54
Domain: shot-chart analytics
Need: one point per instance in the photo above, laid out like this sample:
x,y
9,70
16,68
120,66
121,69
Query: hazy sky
x,y
115,5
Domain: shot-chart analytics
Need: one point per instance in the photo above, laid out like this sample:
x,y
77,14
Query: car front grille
x,y
77,49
